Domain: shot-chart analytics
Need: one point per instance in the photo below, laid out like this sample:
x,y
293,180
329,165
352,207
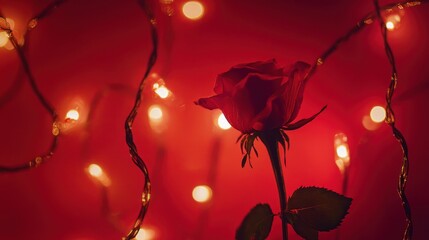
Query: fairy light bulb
x,y
158,119
72,114
202,193
161,90
95,170
222,122
4,38
193,10
392,21
390,25
71,120
155,113
342,152
98,174
145,234
378,114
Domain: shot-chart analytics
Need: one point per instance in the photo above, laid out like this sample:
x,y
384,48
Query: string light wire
x,y
138,161
390,120
33,83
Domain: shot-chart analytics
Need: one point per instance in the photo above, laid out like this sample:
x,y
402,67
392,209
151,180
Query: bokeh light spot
x,y
145,234
390,25
162,91
342,151
72,114
193,10
202,193
378,114
222,122
155,112
95,170
3,39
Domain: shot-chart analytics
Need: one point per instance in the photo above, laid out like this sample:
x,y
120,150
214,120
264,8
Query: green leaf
x,y
318,208
257,223
301,228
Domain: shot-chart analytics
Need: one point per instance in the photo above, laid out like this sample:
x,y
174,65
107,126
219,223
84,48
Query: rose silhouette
x,y
260,96
261,100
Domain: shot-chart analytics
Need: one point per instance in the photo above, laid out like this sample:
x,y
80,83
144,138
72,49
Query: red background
x,y
86,45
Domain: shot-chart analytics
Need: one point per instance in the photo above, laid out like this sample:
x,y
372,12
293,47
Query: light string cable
x,y
390,120
32,80
130,120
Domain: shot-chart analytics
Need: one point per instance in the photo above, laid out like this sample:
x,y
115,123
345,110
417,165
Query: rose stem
x,y
269,139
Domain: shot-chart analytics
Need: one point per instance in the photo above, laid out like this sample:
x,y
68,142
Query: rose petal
x,y
283,106
304,121
231,108
226,81
259,88
211,103
272,116
295,90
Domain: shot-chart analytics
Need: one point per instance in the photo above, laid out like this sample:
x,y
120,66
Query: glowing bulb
x,y
392,22
145,234
4,39
95,170
155,112
342,151
72,115
378,114
222,122
162,91
193,10
202,193
390,25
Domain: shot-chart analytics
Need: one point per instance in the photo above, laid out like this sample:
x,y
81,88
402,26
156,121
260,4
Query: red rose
x,y
260,95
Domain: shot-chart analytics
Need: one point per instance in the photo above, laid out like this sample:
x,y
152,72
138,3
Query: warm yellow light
x,y
72,114
162,91
155,112
95,170
340,165
342,151
222,122
392,22
145,234
193,10
378,114
390,25
3,39
202,193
